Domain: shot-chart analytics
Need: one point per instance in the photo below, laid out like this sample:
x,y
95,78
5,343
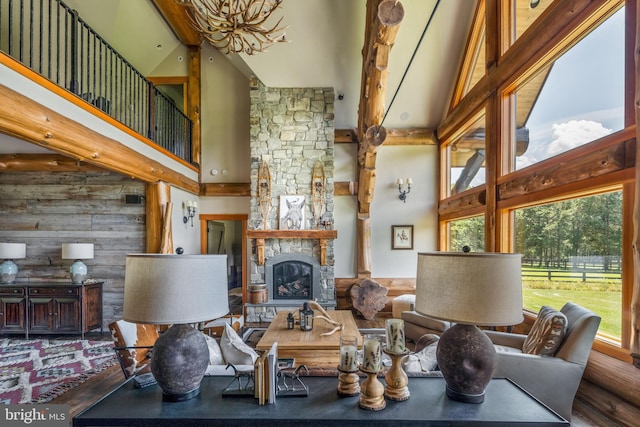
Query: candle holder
x,y
372,392
396,378
348,383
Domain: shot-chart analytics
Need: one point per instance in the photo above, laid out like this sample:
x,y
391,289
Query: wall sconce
x,y
403,193
190,207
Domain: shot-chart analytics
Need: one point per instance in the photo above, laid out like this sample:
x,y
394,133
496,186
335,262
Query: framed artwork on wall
x,y
402,237
292,213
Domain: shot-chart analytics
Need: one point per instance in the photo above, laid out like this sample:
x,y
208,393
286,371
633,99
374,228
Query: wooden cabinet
x,y
51,308
13,305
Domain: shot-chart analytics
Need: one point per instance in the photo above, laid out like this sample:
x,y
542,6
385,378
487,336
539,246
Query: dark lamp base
x,y
181,396
467,359
179,362
464,397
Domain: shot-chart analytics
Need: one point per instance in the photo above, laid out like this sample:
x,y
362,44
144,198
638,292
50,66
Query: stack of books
x,y
266,376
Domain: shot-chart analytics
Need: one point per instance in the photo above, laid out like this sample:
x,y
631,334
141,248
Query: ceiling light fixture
x,y
234,26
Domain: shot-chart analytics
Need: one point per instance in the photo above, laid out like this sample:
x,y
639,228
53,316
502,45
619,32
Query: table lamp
x,y
77,252
468,289
9,252
177,290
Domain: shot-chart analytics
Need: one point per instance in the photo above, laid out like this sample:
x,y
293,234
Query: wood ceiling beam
x,y
410,136
43,163
382,25
383,22
24,118
225,189
176,16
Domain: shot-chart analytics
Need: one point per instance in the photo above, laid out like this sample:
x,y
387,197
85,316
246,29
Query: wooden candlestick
x,y
372,392
396,378
348,383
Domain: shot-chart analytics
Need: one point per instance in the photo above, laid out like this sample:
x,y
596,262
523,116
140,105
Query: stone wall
x,y
291,129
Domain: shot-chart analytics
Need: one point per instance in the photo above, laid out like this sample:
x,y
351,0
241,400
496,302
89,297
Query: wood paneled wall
x,y
46,209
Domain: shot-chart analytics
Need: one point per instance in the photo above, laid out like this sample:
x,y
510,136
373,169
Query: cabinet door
x,y
41,314
12,314
67,314
92,306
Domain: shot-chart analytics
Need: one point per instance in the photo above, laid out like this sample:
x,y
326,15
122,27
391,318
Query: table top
x,y
505,404
297,339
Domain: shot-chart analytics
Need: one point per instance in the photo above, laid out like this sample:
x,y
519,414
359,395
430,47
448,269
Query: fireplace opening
x,y
292,278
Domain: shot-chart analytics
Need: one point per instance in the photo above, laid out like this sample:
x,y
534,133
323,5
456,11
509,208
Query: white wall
x,y
184,235
345,212
225,120
416,162
420,210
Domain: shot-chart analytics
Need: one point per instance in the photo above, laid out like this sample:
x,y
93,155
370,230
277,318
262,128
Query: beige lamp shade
x,y
13,250
175,289
470,288
77,251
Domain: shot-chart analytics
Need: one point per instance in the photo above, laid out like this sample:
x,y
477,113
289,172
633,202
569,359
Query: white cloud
x,y
573,133
564,137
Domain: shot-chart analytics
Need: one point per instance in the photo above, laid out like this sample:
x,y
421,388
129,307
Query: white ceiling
x,y
325,50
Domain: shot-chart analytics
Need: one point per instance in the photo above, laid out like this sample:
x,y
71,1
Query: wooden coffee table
x,y
309,347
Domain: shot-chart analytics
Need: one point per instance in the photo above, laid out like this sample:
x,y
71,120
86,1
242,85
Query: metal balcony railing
x,y
51,39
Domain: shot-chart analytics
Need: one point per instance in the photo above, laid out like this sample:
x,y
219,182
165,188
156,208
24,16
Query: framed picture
x,y
292,213
402,237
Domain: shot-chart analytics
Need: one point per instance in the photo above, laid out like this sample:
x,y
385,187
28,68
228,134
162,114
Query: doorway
x,y
227,234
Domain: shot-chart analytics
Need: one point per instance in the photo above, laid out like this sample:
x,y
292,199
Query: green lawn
x,y
607,304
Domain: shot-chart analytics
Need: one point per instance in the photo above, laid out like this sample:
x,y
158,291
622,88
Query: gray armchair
x,y
553,380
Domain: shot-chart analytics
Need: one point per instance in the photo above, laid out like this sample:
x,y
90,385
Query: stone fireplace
x,y
291,130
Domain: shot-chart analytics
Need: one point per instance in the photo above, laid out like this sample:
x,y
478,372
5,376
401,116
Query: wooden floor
x,y
96,387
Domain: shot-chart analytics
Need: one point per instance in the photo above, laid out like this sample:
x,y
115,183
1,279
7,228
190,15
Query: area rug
x,y
37,371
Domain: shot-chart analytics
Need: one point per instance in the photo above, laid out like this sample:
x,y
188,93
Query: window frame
x,y
548,38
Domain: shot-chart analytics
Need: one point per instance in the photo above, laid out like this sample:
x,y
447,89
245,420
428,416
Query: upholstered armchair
x,y
554,380
133,345
416,325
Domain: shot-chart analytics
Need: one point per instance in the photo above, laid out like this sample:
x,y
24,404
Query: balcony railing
x,y
51,39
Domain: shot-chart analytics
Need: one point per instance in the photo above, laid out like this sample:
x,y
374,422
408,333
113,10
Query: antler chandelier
x,y
234,26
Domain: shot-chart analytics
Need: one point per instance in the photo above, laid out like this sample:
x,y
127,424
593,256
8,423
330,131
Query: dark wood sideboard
x,y
50,308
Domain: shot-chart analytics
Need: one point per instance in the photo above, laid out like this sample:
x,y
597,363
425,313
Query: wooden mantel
x,y
322,235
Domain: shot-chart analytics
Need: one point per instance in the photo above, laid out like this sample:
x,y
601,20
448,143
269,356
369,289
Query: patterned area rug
x,y
37,371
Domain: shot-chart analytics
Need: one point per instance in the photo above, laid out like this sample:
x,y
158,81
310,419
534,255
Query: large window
x,y
572,251
553,118
575,100
467,232
466,158
525,13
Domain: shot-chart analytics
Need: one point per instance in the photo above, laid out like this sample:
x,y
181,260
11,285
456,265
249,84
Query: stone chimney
x,y
291,129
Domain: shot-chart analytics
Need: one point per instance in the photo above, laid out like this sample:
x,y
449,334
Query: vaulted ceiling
x,y
325,50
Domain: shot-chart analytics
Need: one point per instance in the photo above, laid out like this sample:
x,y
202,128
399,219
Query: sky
x,y
582,99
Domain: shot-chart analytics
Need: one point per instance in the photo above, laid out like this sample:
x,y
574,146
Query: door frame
x,y
243,218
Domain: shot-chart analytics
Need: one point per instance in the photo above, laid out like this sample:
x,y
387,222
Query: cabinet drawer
x,y
8,291
54,291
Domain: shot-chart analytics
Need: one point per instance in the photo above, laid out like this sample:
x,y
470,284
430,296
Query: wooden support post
x,y
364,247
635,299
193,101
158,195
